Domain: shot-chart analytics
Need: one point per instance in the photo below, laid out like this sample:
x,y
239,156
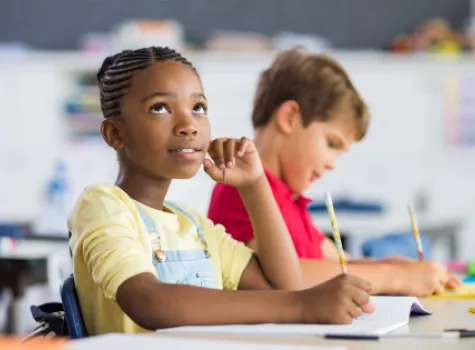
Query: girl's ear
x,y
287,116
111,133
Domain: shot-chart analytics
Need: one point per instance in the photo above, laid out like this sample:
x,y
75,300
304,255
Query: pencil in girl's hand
x,y
415,230
336,231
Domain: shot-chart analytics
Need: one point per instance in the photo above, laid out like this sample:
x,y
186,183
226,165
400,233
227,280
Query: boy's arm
x,y
329,250
418,278
277,256
384,278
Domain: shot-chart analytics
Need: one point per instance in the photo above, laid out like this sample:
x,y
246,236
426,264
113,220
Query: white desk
x,y
447,313
33,249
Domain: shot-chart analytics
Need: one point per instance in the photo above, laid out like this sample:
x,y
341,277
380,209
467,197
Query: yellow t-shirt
x,y
111,244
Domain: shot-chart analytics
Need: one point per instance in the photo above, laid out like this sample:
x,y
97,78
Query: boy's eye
x,y
332,144
159,108
199,108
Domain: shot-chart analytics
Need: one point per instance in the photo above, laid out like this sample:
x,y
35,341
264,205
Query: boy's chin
x,y
302,187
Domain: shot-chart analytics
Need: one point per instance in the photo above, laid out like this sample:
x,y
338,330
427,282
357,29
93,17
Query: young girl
x,y
139,260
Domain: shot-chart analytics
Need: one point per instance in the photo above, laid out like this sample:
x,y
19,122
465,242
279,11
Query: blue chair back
x,y
402,244
72,310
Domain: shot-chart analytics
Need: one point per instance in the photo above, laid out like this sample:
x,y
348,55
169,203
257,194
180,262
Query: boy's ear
x,y
110,133
287,116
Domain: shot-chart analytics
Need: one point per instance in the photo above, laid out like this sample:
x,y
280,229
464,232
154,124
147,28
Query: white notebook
x,y
390,314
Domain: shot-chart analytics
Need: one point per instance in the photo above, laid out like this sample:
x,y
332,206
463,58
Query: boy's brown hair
x,y
316,82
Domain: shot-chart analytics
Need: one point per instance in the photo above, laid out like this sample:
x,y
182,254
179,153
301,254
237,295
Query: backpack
x,y
51,321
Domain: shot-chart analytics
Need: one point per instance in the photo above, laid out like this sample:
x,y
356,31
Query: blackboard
x,y
348,24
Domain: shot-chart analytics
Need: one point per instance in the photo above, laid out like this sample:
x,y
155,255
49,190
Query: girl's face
x,y
163,131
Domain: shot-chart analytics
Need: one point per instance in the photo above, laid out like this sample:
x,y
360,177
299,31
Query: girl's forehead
x,y
166,76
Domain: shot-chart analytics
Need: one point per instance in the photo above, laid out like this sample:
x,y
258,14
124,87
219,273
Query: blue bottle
x,y
54,210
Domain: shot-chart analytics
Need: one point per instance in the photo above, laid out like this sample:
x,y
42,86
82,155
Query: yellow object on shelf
x,y
472,310
465,291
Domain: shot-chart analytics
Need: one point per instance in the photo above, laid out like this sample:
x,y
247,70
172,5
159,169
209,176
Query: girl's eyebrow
x,y
172,94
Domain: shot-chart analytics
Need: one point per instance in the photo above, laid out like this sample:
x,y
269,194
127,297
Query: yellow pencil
x,y
415,230
336,231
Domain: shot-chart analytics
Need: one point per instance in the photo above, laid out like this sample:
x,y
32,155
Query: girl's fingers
x,y
216,153
242,146
229,152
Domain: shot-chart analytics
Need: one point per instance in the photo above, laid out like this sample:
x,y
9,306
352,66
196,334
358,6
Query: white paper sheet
x,y
391,313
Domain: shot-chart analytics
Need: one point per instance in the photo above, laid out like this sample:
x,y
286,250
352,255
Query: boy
x,y
306,113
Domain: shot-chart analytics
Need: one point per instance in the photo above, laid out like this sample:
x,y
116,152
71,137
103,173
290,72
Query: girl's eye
x,y
199,108
159,108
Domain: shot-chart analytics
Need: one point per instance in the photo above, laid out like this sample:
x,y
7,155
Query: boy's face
x,y
312,150
163,129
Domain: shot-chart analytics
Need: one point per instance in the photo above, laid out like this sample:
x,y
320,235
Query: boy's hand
x,y
453,282
235,162
425,278
336,301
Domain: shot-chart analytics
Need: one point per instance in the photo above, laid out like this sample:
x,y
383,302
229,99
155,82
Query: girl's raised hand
x,y
234,162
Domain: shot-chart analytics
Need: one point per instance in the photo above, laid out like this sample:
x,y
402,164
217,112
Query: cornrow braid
x,y
115,74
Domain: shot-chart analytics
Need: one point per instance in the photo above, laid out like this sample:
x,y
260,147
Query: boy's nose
x,y
330,165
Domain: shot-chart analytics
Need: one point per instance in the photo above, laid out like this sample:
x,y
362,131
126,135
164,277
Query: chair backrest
x,y
72,310
402,244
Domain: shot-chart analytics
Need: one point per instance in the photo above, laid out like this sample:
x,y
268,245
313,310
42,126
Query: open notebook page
x,y
391,313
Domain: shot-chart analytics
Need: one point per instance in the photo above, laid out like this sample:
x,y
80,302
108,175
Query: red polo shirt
x,y
226,208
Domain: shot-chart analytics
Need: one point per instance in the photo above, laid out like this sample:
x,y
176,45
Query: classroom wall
x,y
403,154
339,21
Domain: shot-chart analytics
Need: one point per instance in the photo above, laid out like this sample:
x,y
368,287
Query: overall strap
x,y
190,217
146,220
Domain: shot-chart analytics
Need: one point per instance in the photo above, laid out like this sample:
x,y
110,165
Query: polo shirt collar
x,y
280,188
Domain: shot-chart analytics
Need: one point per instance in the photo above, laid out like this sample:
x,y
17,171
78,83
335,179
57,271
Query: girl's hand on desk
x,y
235,162
337,301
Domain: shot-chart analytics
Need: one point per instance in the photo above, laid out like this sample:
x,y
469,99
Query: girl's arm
x,y
277,257
154,305
237,163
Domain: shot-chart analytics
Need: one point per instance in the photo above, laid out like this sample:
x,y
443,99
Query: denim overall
x,y
192,267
